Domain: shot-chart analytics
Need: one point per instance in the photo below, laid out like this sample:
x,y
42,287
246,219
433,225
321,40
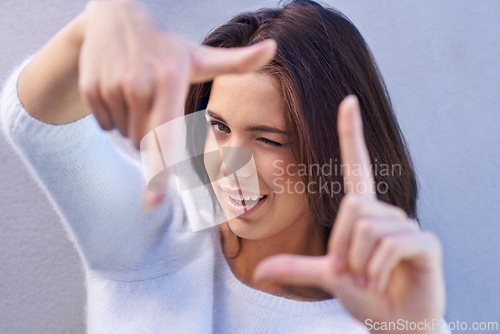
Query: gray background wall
x,y
441,62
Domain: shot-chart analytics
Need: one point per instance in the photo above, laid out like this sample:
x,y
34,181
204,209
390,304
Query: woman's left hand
x,y
379,263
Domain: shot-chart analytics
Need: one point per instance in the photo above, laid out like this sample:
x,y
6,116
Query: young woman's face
x,y
246,111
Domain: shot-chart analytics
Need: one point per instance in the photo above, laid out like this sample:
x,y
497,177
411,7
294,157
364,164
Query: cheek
x,y
279,172
211,157
280,176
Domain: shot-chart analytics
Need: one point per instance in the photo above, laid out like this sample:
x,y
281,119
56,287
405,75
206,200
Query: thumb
x,y
208,62
298,270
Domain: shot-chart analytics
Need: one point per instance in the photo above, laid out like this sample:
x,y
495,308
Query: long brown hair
x,y
321,58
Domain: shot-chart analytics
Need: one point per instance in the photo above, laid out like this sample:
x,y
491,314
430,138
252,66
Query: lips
x,y
240,192
241,201
246,199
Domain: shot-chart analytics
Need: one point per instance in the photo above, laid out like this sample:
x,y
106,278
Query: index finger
x,y
208,62
356,164
159,146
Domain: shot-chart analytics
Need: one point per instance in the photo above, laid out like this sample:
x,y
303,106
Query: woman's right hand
x,y
134,76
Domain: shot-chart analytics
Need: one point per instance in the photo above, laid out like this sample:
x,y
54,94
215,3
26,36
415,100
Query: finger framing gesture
x,y
378,261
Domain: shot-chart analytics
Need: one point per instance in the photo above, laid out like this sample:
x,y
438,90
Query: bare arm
x,y
48,85
114,61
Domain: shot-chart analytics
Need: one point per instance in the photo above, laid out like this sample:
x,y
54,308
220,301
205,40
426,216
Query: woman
x,y
146,272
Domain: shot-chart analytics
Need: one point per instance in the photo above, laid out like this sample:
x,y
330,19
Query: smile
x,y
240,205
249,200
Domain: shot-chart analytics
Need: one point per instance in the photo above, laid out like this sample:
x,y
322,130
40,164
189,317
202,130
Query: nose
x,y
236,160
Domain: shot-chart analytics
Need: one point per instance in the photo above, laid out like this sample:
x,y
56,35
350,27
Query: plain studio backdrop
x,y
441,63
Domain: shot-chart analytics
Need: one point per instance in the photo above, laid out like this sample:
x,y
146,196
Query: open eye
x,y
218,126
270,142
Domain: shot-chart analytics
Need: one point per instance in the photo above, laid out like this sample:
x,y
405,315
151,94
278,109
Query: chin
x,y
248,230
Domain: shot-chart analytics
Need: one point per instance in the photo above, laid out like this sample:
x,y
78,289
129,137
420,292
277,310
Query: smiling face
x,y
246,110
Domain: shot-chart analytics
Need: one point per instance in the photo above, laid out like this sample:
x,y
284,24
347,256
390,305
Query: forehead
x,y
247,98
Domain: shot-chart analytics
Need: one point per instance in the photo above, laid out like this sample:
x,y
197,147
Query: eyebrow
x,y
252,128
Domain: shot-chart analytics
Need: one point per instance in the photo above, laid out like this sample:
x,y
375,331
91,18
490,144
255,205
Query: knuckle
x,y
136,87
195,59
235,67
365,227
355,263
110,90
340,247
168,76
88,89
372,270
389,244
129,84
352,202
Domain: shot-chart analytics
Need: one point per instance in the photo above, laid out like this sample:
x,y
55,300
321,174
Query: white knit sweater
x,y
146,273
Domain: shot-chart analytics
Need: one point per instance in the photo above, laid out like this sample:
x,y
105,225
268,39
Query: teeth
x,y
236,197
239,199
